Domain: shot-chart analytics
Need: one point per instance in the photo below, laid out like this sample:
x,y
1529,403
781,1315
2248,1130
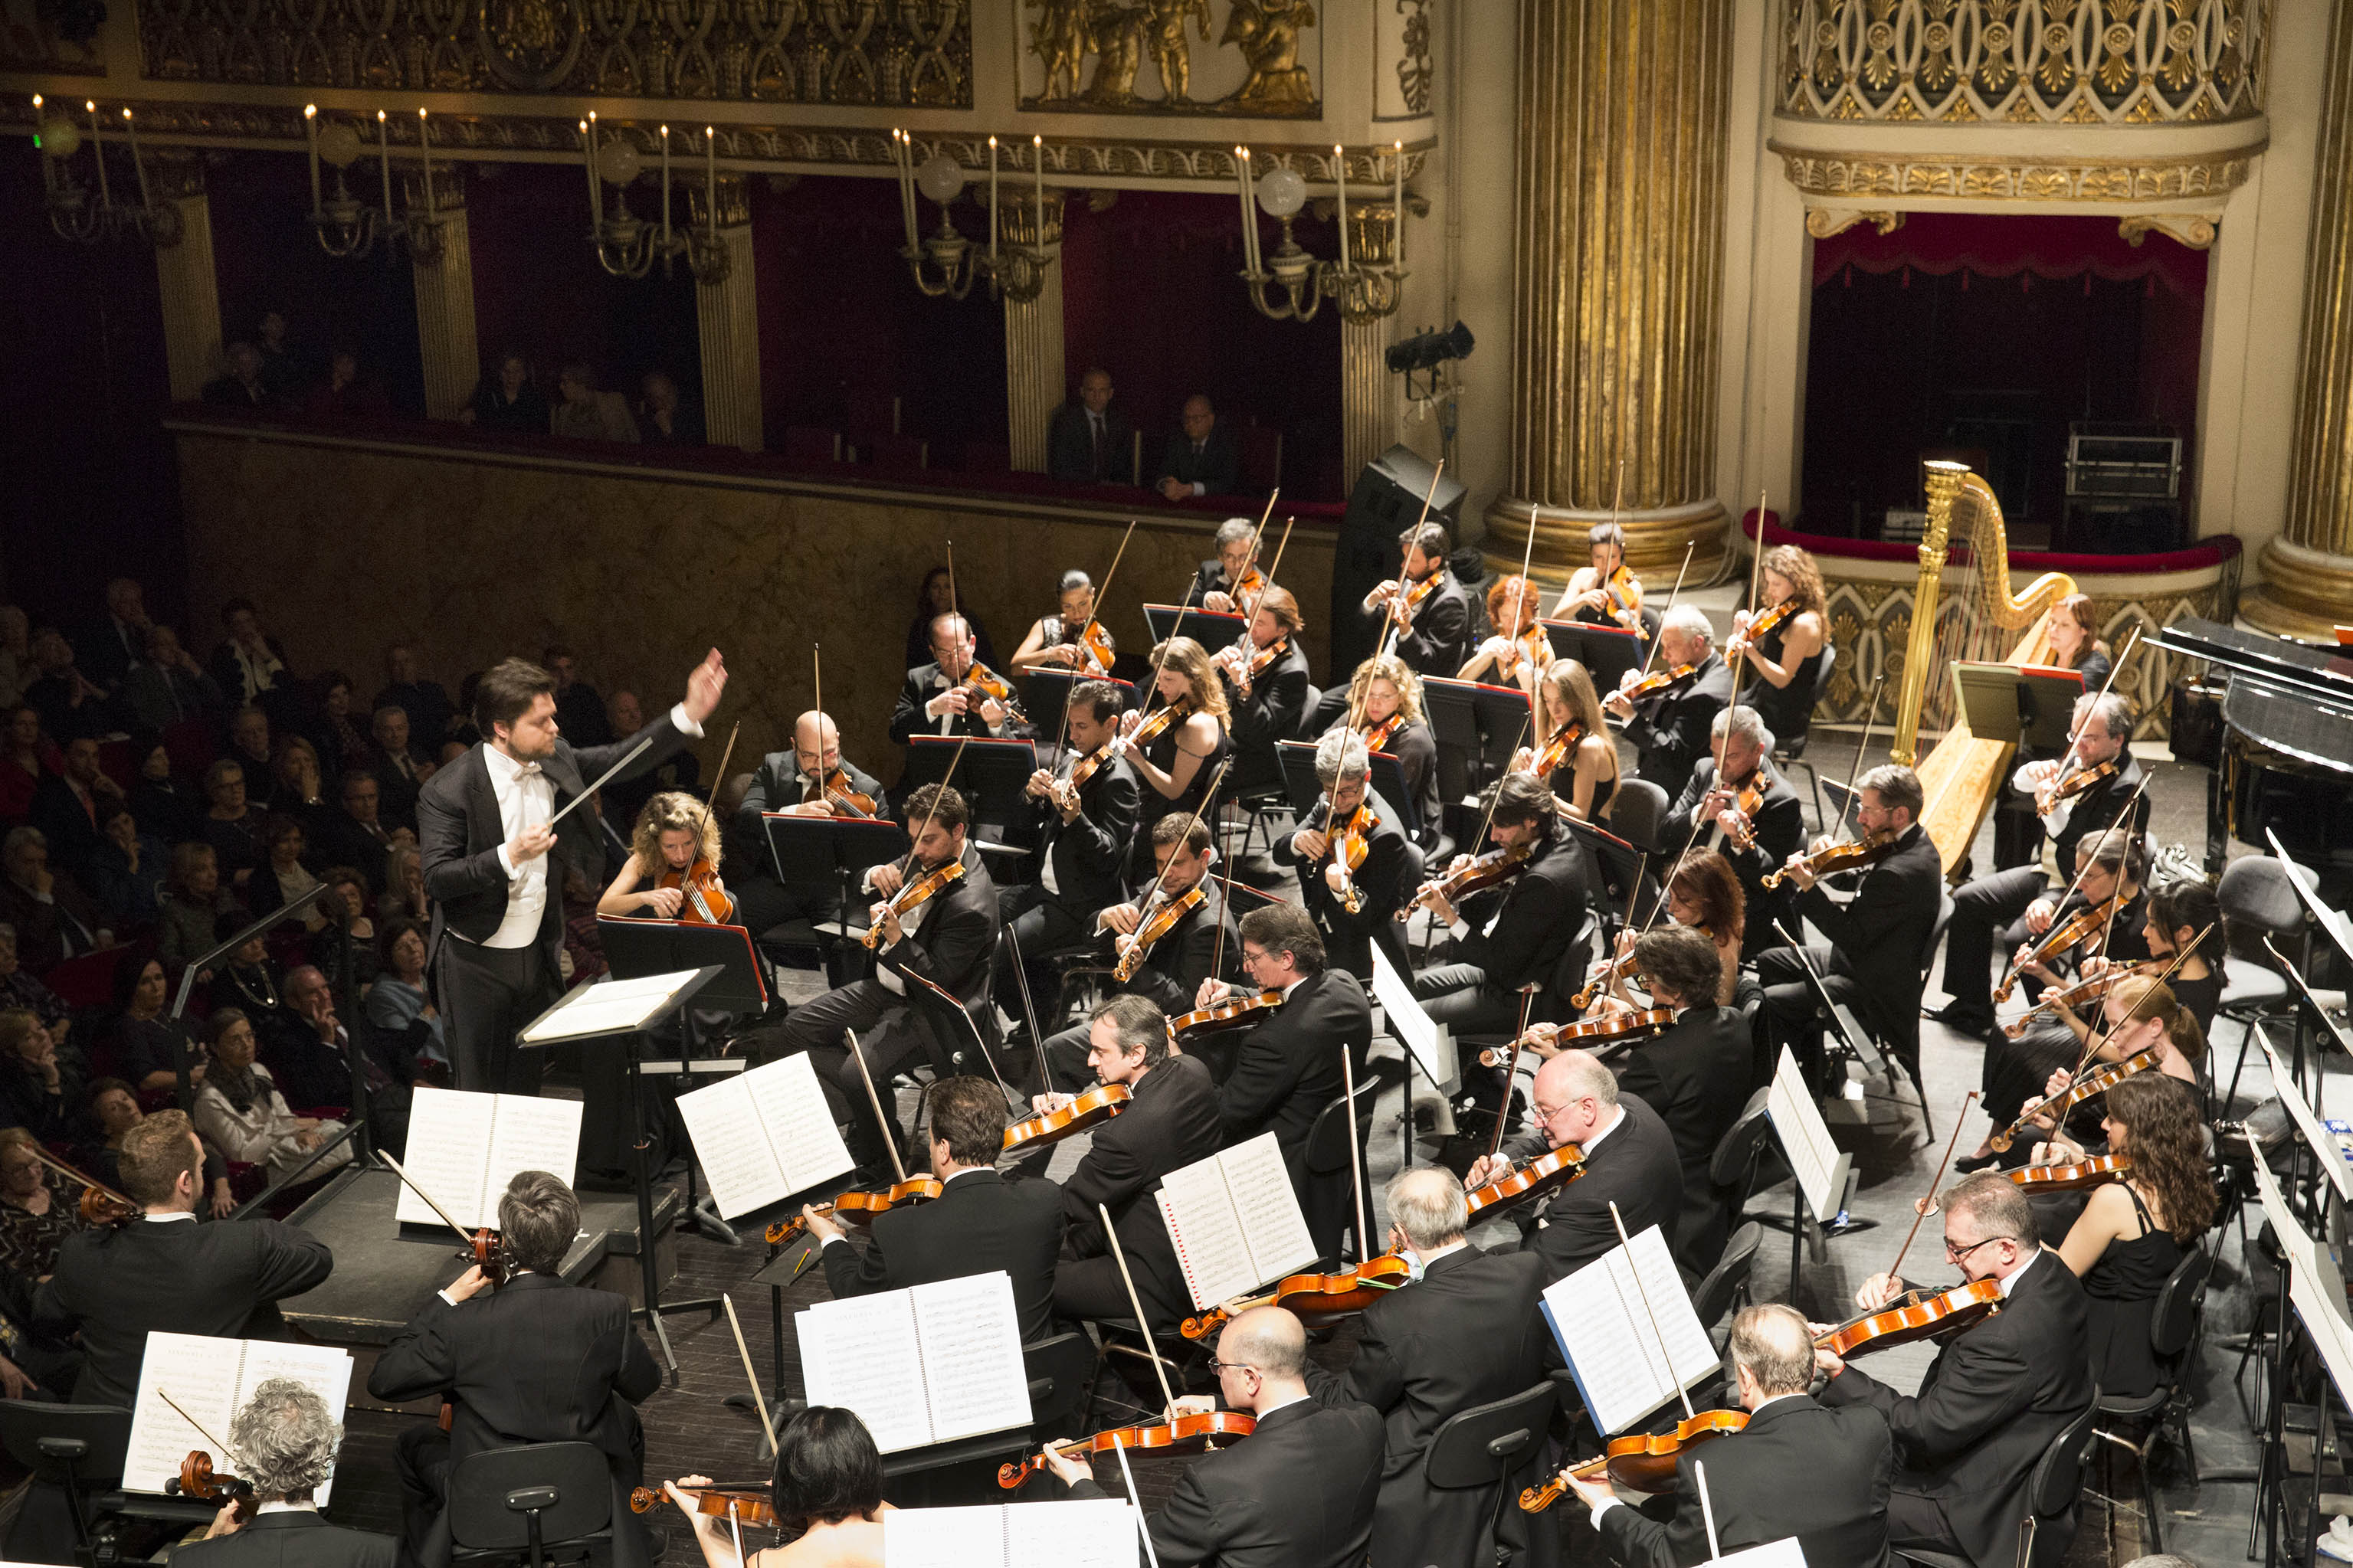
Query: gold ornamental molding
x,y
2196,230
1966,177
1083,57
1824,222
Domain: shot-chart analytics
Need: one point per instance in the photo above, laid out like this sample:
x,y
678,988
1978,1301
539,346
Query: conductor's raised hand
x,y
703,684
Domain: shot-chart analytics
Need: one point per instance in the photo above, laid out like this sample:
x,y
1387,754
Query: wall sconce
x,y
1367,278
74,212
629,246
945,263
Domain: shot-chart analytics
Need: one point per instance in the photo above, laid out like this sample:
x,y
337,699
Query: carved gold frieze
x,y
1824,222
1154,57
2016,179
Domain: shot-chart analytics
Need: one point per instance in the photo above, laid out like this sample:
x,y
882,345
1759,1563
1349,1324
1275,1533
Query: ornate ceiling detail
x,y
1093,57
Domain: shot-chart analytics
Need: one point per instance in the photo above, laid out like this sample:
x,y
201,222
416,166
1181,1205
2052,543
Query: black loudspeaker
x,y
1385,503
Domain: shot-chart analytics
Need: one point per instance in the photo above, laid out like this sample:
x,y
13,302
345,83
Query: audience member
x,y
71,704
165,804
404,894
1089,441
932,601
400,770
664,419
1203,459
240,1107
55,919
579,713
623,798
167,686
26,757
282,878
398,1005
15,652
195,907
424,700
351,929
582,413
126,870
70,805
248,660
286,369
249,748
505,399
356,835
346,394
40,1080
38,1208
296,789
144,1040
117,641
239,385
343,747
232,824
20,988
113,1112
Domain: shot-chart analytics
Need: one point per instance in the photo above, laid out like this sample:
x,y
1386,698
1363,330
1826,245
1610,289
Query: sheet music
x,y
2322,1142
1782,1553
861,1354
1427,1042
211,1379
449,1144
529,1134
971,1343
790,1107
736,1159
608,1007
1081,1532
1272,1227
1605,1330
2332,920
1805,1137
2315,1287
1206,1233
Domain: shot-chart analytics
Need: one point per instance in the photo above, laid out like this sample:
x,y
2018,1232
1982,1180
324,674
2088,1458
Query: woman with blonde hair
x,y
1518,650
1788,658
1176,763
1385,697
1586,778
673,832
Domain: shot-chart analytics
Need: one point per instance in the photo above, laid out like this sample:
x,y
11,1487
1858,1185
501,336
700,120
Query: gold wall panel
x,y
1259,58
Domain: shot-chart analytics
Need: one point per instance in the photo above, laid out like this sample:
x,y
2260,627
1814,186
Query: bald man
x,y
1298,1492
778,784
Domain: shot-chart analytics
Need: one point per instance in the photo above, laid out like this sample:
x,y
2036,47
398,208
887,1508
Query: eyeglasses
x,y
1959,1253
1220,1368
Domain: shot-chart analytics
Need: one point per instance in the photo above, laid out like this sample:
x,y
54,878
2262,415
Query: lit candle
x,y
97,152
596,184
1037,145
383,159
1397,203
992,198
1241,187
137,165
424,150
711,176
902,157
665,199
1340,179
310,133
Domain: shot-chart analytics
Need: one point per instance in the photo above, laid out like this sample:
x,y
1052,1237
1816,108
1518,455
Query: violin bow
x,y
1666,1356
1870,717
2010,971
1143,1530
1673,595
759,1398
1029,1008
1094,614
1339,772
2097,1037
2106,686
1160,878
1225,841
1273,566
933,810
719,781
1739,661
1355,1157
1405,553
1520,599
1511,1072
62,1169
430,1201
874,1099
1135,1303
1896,1269
227,1454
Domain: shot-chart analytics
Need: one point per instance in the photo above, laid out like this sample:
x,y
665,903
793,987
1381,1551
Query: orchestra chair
x,y
78,1449
2052,1492
2175,1330
2256,900
1637,811
1726,1289
1901,1044
524,1503
1325,1194
1747,1158
1496,1447
1791,754
86,981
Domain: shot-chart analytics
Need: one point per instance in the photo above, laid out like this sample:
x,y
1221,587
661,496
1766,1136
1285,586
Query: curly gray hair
x,y
286,1439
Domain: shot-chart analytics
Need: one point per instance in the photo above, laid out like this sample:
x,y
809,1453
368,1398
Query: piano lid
x,y
2291,725
2275,665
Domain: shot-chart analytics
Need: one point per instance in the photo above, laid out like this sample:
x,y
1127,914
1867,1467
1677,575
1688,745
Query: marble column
x,y
446,339
1036,378
1618,219
727,309
184,277
2307,569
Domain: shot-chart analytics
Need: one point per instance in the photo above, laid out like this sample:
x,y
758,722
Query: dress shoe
x,y
1969,1164
1966,1017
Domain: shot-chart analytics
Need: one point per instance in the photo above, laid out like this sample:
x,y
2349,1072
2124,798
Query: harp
x,y
1970,619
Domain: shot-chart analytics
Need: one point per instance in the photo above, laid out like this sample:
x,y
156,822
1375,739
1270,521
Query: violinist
x,y
1221,581
1629,1161
533,1361
947,938
1385,698
2181,914
1170,1121
979,1221
1573,751
1797,1467
1697,1076
1053,640
1349,821
674,834
286,1439
1602,592
1669,730
1083,842
938,697
825,1494
798,782
1287,1068
2019,824
1998,1395
1181,752
1872,960
1428,608
1518,651
1300,1490
1750,816
1786,655
1266,681
2140,1016
1465,1332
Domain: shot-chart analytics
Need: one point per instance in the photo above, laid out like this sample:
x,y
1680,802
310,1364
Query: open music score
x,y
1235,1221
1427,1041
2316,1288
1077,1532
606,1007
464,1147
1602,1321
1806,1140
927,1364
211,1379
765,1135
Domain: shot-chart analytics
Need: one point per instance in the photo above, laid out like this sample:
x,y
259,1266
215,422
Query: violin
x,y
1166,916
1611,1028
196,1479
2060,790
1184,1435
1846,855
1558,750
1235,1013
911,894
1910,1316
1378,736
860,1208
1348,848
2081,926
1666,680
2075,997
1315,1296
1641,1462
1098,1104
706,902
1159,719
2055,1107
836,791
2037,1179
1407,602
1553,1169
744,1504
1087,767
100,1207
1754,632
1494,869
1094,645
1619,593
987,683
1264,659
1615,970
1748,802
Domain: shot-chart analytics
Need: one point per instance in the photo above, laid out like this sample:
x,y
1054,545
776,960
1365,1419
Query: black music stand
x,y
1213,629
2032,708
811,849
1487,722
1387,779
992,775
552,1030
1619,864
1045,692
1607,652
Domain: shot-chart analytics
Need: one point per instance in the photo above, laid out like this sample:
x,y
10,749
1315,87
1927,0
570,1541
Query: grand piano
x,y
2284,759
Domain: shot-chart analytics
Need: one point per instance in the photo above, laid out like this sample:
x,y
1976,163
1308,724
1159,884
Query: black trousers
x,y
1790,1001
1460,997
1917,1521
889,1031
488,993
1041,925
1990,904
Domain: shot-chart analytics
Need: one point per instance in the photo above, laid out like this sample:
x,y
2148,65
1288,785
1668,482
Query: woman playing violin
x,y
827,1493
1176,764
1586,778
674,835
2142,1023
1603,591
1702,895
1516,653
1053,640
1786,655
2183,914
1386,696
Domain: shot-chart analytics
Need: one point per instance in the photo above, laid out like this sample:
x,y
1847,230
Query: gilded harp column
x,y
2307,569
1619,240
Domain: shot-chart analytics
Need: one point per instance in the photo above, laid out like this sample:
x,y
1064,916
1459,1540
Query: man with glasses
x,y
1629,1161
935,701
1996,1396
1299,1490
1343,785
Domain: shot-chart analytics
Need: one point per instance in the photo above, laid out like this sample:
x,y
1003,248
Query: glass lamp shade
x,y
1281,193
339,144
60,138
618,161
940,178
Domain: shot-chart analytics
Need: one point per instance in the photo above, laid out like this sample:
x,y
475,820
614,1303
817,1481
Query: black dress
x,y
2201,996
1788,709
1161,752
2123,1287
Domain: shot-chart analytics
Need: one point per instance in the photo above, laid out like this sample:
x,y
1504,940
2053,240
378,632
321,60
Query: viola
x,y
1184,1435
1378,736
1846,855
2074,998
911,894
745,1505
1234,1013
1494,869
2060,790
860,1208
1159,719
1558,750
197,1479
1098,1104
2079,927
1666,680
1641,1462
837,792
1913,1316
1166,916
490,1257
2054,1108
706,902
1348,848
1534,1178
1315,1296
2036,1180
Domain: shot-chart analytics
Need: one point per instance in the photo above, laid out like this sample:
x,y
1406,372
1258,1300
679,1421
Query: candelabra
x,y
1022,242
347,227
629,246
1367,279
84,216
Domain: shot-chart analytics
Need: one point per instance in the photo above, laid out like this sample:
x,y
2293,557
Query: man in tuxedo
x,y
1695,1076
285,1440
1706,815
403,772
1464,1333
942,946
1085,835
356,835
168,687
71,806
1630,1163
1433,636
1301,1491
535,1360
1344,782
1872,962
1203,459
980,1222
1671,730
1287,1068
779,785
163,1270
1089,441
484,833
934,701
1268,707
1170,1121
2019,903
1799,1468
1214,585
1998,1393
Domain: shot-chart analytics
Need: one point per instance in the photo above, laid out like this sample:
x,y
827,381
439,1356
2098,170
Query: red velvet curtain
x,y
2045,250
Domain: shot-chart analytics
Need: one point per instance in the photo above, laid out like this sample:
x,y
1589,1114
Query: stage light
x,y
1431,349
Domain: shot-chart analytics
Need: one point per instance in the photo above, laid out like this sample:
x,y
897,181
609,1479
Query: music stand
x,y
1387,780
1618,863
1487,722
1213,629
1607,652
581,1014
1045,692
992,772
810,849
2028,707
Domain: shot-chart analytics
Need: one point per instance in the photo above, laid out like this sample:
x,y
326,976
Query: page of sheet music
x,y
735,1153
529,1134
2322,1142
790,1107
946,1537
1599,1315
1273,1229
1429,1042
971,1341
861,1355
1075,1533
606,1006
1805,1136
1783,1553
201,1374
322,1369
448,1147
1199,1214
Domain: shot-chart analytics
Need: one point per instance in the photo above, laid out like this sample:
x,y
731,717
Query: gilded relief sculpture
x,y
1263,77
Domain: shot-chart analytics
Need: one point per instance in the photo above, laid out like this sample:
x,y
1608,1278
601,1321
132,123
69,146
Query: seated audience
x,y
55,919
126,873
282,878
356,834
240,384
15,653
40,1080
582,413
344,746
165,804
1089,441
250,748
404,894
240,1108
20,988
38,1207
248,661
26,758
662,417
286,367
113,1110
506,400
424,700
346,394
231,825
167,686
195,910
71,705
400,769
70,805
116,642
579,711
144,1040
398,1005
1202,458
